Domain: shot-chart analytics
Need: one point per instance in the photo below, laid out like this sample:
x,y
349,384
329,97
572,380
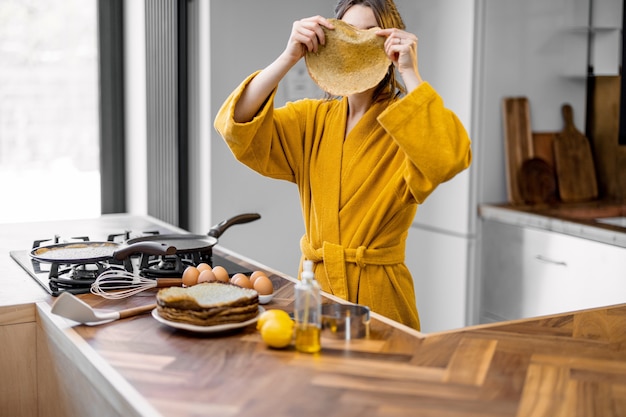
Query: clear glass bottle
x,y
308,311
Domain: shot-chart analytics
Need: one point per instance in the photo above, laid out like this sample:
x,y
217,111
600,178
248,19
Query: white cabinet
x,y
438,263
530,272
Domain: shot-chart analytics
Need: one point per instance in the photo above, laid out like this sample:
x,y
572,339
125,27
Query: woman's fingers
x,y
309,32
400,46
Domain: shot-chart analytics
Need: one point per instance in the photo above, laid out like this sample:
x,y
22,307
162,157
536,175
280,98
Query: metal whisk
x,y
117,284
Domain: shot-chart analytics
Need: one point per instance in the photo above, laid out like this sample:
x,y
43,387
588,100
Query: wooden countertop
x,y
571,364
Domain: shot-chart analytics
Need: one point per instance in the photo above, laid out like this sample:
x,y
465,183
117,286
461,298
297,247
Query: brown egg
x,y
255,275
241,280
221,274
263,285
202,266
190,276
206,275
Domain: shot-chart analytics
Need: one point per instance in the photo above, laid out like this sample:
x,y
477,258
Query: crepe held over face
x,y
351,61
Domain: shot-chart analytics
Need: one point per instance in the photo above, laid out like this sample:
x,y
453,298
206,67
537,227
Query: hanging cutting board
x,y
518,143
575,168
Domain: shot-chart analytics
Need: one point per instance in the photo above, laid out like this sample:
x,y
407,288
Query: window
x,y
49,126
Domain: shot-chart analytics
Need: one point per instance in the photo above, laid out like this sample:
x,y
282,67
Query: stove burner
x,y
80,271
163,266
171,265
56,239
123,237
77,278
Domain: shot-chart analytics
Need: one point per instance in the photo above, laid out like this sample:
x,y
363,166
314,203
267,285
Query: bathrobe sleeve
x,y
436,144
273,142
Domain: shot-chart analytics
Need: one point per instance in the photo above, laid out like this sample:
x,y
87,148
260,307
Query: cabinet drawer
x,y
529,272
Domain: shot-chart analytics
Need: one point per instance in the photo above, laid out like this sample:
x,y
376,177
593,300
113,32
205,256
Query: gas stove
x,y
57,277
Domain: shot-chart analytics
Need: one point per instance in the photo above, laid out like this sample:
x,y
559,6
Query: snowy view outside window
x,y
49,151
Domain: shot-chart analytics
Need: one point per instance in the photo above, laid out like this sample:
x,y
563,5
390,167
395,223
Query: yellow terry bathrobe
x,y
359,195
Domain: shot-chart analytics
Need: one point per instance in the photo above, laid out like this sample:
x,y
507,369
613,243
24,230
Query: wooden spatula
x,y
575,168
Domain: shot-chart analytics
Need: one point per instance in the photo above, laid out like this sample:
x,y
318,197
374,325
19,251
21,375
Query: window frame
x,y
111,106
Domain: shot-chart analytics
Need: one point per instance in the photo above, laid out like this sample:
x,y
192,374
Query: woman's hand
x,y
306,35
401,48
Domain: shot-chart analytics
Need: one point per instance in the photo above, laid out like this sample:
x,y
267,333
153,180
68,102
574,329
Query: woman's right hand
x,y
306,35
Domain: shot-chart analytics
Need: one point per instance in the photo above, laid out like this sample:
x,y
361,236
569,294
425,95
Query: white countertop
x,y
586,229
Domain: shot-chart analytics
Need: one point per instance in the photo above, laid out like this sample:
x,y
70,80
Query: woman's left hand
x,y
401,48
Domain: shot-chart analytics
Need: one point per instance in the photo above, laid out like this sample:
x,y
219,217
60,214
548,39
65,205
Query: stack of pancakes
x,y
208,304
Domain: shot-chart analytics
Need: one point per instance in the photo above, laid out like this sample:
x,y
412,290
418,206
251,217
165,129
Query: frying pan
x,y
84,252
188,243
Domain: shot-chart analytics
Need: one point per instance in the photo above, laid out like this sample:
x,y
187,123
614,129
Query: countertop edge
x,y
584,230
116,389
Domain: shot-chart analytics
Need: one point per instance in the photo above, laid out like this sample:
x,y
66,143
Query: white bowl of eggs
x,y
257,281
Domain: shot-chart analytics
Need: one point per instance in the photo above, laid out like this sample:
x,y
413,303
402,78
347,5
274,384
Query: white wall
x,y
532,48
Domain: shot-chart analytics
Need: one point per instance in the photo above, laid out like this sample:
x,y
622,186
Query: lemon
x,y
273,314
276,328
277,333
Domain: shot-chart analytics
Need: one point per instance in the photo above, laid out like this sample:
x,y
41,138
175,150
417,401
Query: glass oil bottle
x,y
308,311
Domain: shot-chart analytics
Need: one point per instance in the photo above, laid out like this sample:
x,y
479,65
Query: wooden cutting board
x,y
543,146
518,143
575,168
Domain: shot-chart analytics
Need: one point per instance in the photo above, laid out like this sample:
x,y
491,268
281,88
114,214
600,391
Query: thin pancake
x,y
351,61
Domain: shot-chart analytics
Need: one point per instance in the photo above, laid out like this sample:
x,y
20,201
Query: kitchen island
x,y
560,365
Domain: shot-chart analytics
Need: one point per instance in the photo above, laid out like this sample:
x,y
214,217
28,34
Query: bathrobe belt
x,y
335,258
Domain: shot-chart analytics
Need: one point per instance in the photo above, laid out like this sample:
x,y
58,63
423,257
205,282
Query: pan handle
x,y
217,230
150,248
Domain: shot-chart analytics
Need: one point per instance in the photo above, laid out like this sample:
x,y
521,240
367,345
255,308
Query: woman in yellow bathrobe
x,y
362,163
